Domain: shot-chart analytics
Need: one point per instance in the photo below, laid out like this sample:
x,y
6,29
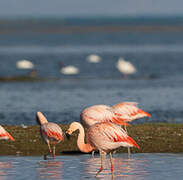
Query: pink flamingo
x,y
50,132
129,111
5,135
105,137
119,114
99,113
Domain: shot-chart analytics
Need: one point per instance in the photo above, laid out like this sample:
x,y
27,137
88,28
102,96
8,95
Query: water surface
x,y
137,167
156,53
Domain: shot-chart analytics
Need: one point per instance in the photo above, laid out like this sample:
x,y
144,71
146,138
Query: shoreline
x,y
151,137
75,29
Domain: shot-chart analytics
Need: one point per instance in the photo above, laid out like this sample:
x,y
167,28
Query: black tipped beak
x,y
67,135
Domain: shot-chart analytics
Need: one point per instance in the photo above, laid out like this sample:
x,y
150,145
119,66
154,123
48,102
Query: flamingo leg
x,y
102,163
128,147
93,153
50,151
53,152
112,166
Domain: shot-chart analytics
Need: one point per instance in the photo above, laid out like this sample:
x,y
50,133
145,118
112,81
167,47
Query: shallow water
x,y
137,167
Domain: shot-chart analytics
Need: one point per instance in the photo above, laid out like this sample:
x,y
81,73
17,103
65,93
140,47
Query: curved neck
x,y
81,143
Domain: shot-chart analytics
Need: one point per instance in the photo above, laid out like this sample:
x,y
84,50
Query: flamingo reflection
x,y
4,168
50,169
128,168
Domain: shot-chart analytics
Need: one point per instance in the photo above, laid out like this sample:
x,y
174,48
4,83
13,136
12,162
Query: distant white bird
x,y
68,70
24,64
125,67
93,58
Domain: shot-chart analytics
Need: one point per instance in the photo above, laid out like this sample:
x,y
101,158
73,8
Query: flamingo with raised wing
x,y
50,132
5,135
104,137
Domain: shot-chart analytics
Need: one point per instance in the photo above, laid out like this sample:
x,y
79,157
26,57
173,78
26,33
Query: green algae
x,y
152,138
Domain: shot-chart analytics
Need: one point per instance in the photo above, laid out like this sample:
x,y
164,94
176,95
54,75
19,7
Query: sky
x,y
90,7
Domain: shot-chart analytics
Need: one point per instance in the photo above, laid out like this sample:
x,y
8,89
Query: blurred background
x,y
59,57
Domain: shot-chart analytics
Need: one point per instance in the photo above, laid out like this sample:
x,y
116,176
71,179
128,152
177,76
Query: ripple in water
x,y
139,166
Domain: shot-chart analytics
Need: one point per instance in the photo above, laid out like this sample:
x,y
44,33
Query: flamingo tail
x,y
9,136
144,113
119,121
131,141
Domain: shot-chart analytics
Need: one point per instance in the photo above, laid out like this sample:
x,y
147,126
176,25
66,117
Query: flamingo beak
x,y
68,134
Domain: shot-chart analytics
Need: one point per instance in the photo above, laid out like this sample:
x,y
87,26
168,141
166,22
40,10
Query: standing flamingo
x,y
4,134
50,132
104,137
125,67
129,111
24,64
93,58
68,70
119,114
99,113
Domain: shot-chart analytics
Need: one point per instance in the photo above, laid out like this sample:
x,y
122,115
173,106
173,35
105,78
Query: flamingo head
x,y
73,127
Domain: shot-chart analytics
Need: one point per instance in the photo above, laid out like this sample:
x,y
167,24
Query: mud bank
x,y
152,138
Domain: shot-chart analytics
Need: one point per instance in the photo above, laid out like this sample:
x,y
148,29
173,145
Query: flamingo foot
x,y
45,157
93,153
100,170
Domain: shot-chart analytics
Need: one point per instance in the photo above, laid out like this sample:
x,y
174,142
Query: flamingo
x,y
24,64
50,132
125,67
104,136
93,58
120,113
68,70
129,111
5,135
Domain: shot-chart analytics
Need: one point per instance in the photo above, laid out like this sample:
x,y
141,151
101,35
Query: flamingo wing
x,y
107,136
5,135
115,133
52,130
128,111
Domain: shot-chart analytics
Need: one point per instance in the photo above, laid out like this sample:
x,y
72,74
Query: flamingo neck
x,y
41,119
86,148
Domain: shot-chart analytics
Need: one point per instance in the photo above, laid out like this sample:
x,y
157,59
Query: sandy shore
x,y
152,138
